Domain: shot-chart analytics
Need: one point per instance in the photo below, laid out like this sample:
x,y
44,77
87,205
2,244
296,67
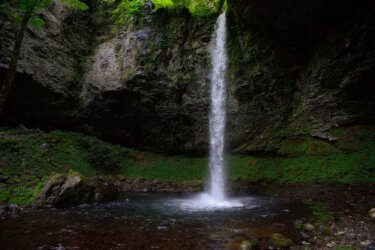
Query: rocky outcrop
x,y
148,85
145,86
65,191
297,71
48,73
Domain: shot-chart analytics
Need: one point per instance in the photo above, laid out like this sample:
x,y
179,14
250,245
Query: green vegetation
x,y
28,157
321,212
308,146
355,167
280,241
196,7
344,248
125,9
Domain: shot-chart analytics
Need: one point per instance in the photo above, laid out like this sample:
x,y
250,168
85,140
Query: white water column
x,y
218,111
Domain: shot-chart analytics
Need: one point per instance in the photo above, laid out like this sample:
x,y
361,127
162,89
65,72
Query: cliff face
x,y
148,85
42,93
297,72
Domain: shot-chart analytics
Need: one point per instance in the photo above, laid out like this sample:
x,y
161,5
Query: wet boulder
x,y
66,191
245,245
308,227
372,213
248,244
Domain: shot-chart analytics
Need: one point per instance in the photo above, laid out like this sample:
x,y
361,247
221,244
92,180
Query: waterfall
x,y
218,111
215,196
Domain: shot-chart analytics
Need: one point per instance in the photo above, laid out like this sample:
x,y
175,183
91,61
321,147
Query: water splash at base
x,y
206,202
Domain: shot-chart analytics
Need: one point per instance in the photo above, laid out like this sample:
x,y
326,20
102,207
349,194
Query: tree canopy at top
x,y
126,8
196,7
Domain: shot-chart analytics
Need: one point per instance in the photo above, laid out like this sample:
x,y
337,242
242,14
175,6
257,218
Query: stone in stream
x,y
245,245
365,243
308,227
330,244
372,213
3,178
279,240
371,246
305,235
248,244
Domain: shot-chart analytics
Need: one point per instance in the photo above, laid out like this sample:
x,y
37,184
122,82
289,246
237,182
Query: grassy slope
x,y
28,157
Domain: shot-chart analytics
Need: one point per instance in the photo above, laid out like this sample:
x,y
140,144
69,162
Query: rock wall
x,y
48,69
297,72
147,86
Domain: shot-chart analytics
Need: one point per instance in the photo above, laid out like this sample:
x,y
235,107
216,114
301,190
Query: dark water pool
x,y
150,221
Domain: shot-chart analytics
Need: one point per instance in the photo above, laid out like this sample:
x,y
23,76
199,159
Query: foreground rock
x,y
280,241
11,209
245,245
308,227
64,191
248,244
372,213
3,178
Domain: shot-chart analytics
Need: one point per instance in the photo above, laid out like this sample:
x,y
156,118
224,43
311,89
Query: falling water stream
x,y
215,196
218,112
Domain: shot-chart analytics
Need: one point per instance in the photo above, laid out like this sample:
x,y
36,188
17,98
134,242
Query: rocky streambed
x,y
147,214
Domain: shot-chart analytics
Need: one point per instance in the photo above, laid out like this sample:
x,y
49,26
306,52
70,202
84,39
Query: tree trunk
x,y
11,72
221,5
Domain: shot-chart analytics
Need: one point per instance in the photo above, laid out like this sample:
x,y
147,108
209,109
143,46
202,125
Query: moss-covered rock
x,y
280,241
65,191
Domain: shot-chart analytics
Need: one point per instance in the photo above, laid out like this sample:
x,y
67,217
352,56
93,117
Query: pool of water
x,y
151,221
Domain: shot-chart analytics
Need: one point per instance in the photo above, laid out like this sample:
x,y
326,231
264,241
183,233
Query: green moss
x,y
39,186
298,225
341,167
321,212
309,146
167,168
4,192
122,11
22,195
28,157
279,240
343,248
196,7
